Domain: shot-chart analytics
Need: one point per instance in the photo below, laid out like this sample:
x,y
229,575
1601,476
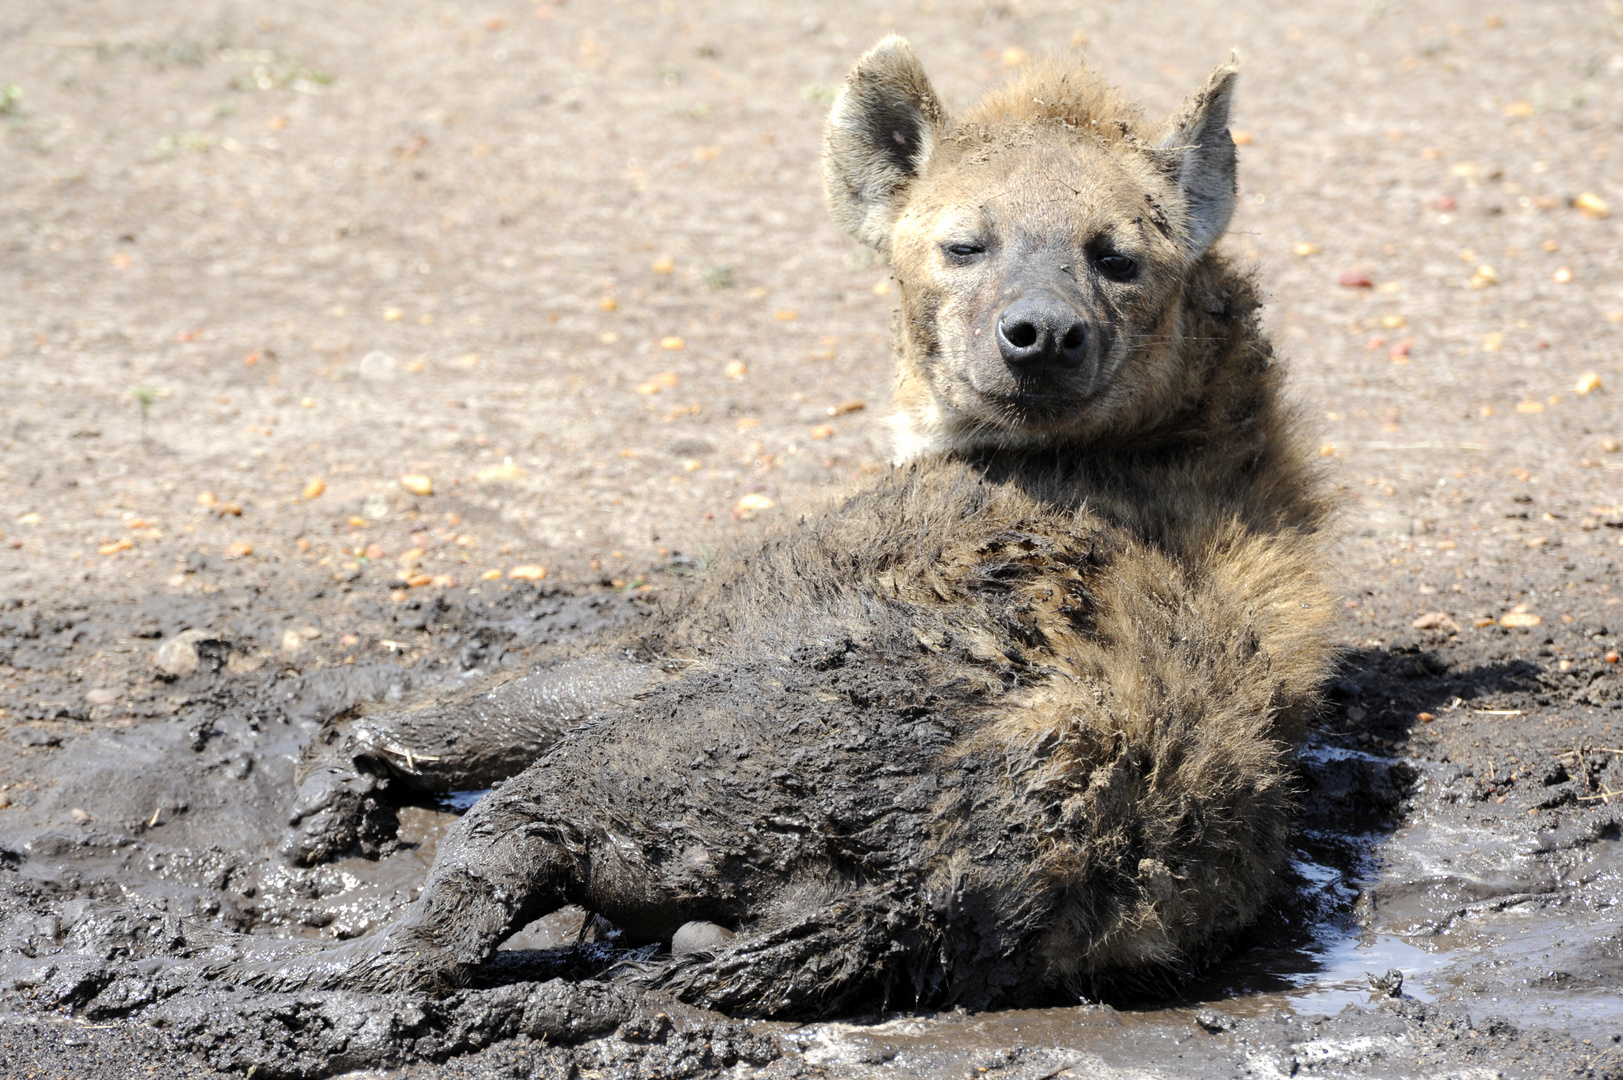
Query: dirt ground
x,y
328,328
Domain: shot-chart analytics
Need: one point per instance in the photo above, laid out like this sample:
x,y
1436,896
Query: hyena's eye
x,y
966,252
1118,267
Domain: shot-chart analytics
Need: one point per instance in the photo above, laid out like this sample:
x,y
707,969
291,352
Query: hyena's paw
x,y
338,809
396,959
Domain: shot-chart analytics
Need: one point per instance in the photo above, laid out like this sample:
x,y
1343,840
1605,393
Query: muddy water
x,y
132,855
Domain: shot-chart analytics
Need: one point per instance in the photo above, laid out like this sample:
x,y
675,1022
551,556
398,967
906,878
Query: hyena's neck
x,y
914,437
923,427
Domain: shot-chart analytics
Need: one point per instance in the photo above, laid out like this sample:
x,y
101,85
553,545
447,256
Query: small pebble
x,y
178,655
663,381
378,365
498,474
700,937
1591,205
33,736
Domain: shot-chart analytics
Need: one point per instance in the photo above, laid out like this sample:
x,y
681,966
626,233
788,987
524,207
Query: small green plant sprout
x,y
144,396
11,98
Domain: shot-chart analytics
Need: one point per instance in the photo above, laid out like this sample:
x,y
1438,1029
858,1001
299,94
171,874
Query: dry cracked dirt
x,y
327,328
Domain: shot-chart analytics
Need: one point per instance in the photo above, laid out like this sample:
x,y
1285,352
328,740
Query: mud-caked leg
x,y
361,765
510,860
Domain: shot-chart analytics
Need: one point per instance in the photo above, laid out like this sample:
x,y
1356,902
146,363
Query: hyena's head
x,y
1043,245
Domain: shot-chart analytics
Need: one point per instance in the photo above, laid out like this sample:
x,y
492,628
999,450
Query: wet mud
x,y
1452,904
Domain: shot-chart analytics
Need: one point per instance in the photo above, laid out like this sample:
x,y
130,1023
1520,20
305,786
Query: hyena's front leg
x,y
514,857
360,766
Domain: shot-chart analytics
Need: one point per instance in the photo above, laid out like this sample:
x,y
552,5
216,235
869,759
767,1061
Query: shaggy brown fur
x,y
1017,715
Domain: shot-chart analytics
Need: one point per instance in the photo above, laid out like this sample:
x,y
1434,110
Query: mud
x,y
1476,854
1502,916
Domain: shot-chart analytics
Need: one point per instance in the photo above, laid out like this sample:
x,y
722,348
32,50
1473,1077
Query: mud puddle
x,y
135,856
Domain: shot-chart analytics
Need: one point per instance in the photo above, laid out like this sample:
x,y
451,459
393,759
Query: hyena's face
x,y
1029,276
1040,249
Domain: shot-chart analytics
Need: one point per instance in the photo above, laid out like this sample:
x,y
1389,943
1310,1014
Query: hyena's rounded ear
x,y
1197,153
881,132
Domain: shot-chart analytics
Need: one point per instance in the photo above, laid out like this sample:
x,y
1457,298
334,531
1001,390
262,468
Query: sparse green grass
x,y
144,396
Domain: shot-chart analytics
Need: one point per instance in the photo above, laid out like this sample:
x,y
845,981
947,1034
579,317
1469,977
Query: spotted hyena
x,y
1013,719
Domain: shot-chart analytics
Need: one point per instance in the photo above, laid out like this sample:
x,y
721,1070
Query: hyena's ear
x,y
1197,152
881,132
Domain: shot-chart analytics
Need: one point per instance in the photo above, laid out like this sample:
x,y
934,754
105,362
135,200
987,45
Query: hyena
x,y
1015,718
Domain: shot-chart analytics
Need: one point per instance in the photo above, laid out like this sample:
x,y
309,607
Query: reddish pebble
x,y
1355,279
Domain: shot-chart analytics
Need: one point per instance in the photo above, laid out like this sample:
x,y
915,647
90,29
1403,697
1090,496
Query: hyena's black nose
x,y
1040,331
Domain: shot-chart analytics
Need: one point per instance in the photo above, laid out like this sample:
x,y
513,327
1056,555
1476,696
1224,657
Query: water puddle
x,y
460,802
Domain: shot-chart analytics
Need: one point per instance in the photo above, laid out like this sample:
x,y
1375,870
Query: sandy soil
x,y
569,264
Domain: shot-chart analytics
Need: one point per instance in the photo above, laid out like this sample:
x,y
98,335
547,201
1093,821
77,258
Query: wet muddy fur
x,y
1012,721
